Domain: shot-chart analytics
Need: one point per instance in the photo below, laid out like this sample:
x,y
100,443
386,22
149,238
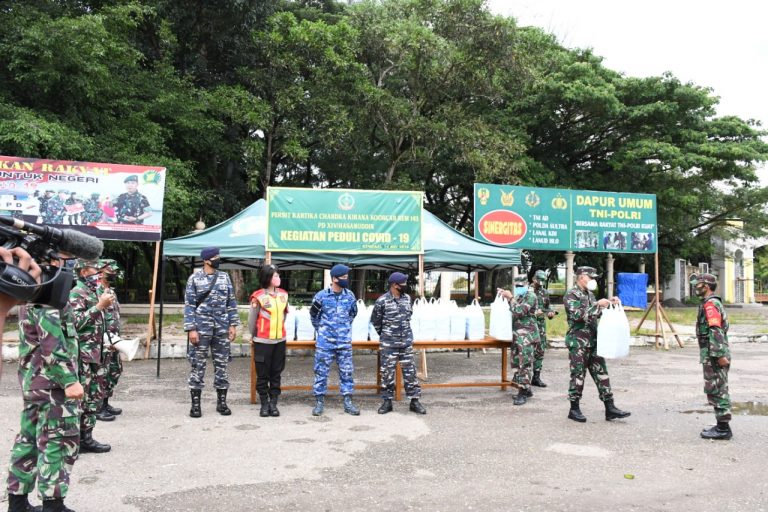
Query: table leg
x,y
398,382
504,364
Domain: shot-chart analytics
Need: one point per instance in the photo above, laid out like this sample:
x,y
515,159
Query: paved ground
x,y
473,450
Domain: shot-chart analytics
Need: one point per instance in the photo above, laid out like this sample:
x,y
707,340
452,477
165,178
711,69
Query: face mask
x,y
403,288
343,283
93,281
701,290
275,280
592,285
215,263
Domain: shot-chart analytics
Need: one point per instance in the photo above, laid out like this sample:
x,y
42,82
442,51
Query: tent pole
x,y
477,284
268,257
421,275
160,320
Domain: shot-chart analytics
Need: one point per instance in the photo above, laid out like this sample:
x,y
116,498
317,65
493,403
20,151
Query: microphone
x,y
74,242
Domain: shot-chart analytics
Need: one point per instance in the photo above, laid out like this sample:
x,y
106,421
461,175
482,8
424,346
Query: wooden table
x,y
488,342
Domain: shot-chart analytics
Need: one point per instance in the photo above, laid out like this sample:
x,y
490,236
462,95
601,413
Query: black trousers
x,y
270,363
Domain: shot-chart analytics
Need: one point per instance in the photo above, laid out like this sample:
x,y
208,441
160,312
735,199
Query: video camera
x,y
43,243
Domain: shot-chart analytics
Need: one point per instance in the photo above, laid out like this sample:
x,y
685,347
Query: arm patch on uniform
x,y
714,318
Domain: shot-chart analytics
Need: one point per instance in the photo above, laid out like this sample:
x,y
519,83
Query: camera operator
x,y
47,444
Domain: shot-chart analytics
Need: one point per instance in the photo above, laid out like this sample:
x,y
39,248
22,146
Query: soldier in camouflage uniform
x,y
88,307
583,313
48,375
332,312
211,319
391,317
92,209
526,336
113,366
544,312
131,206
73,218
714,354
53,213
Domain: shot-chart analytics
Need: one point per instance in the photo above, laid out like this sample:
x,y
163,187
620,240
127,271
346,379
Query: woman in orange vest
x,y
266,323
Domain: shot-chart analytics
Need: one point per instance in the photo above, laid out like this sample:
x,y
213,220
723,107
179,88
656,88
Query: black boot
x,y
385,407
529,393
55,505
221,402
273,410
575,413
720,432
195,411
103,415
521,398
349,407
20,503
614,413
114,411
417,407
264,411
536,381
89,445
319,405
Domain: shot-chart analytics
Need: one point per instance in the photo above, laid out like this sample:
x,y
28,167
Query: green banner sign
x,y
344,221
551,219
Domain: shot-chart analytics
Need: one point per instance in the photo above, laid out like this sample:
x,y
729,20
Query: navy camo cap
x,y
339,270
398,278
209,252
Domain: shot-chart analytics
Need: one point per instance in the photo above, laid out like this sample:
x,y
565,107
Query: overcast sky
x,y
716,44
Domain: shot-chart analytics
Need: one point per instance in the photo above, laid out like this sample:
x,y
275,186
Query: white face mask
x,y
592,285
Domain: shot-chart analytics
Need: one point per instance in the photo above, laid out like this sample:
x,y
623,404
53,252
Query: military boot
x,y
319,405
521,397
20,503
273,410
55,505
529,393
575,413
264,411
536,381
349,407
114,411
103,415
89,444
386,406
720,432
614,413
417,407
195,411
221,402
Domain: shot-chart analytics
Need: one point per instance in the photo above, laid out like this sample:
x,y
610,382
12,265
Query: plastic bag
x,y
475,321
304,328
458,322
427,321
441,315
613,333
360,323
501,319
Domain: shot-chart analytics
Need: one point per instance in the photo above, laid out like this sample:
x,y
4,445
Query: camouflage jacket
x,y
47,349
712,329
332,315
54,211
93,212
524,309
583,313
111,313
219,309
89,322
391,318
544,306
130,205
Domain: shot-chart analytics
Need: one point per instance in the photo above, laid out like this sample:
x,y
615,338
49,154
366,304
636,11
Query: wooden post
x,y
267,257
477,284
151,324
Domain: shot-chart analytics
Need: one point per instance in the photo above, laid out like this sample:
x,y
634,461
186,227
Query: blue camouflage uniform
x,y
391,317
332,315
212,319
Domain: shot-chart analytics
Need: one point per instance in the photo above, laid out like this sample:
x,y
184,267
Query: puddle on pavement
x,y
739,408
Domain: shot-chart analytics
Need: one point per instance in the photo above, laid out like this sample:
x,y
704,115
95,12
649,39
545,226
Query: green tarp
x,y
241,240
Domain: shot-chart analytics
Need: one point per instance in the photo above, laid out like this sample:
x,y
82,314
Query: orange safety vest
x,y
270,323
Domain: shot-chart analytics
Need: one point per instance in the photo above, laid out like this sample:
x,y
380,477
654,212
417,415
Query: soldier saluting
x,y
131,206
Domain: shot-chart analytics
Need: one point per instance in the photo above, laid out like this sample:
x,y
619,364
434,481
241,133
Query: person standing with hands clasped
x,y
391,317
332,312
714,354
266,323
583,312
211,319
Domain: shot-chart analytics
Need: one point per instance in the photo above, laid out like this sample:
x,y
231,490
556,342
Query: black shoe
x,y
103,415
614,413
195,411
521,397
319,406
273,410
349,407
536,381
386,406
575,413
264,411
720,432
89,445
417,407
221,402
20,503
55,505
529,393
114,411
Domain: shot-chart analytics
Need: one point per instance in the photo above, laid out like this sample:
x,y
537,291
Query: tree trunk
x,y
236,275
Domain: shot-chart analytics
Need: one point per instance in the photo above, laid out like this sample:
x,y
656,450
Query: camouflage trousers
x,y
114,369
324,358
583,358
538,350
716,389
388,359
522,358
46,446
198,358
93,380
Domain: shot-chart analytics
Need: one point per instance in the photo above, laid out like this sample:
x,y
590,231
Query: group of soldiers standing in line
x,y
67,373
